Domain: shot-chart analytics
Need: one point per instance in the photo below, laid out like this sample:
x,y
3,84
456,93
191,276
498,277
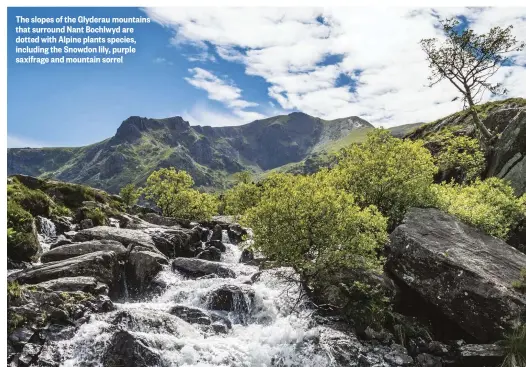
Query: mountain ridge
x,y
210,154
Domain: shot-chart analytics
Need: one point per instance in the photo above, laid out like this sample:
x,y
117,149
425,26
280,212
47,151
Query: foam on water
x,y
275,334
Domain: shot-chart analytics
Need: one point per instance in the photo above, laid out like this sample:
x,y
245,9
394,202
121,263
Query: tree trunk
x,y
482,128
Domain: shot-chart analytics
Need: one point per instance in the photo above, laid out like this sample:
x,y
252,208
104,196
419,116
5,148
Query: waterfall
x,y
261,327
47,233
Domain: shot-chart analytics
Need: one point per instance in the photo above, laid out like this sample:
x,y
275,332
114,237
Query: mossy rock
x,y
22,238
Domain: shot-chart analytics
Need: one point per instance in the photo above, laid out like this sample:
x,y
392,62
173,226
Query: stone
x,y
76,249
191,315
210,254
176,242
103,266
217,244
198,267
466,274
475,355
236,233
128,349
247,255
86,223
76,284
217,233
230,298
141,269
61,240
428,360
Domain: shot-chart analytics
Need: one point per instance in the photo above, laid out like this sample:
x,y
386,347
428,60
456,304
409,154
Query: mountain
x,y
210,154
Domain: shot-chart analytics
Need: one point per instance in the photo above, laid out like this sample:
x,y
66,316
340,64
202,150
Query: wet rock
x,y
128,349
76,249
176,242
198,267
29,354
247,255
397,356
236,233
160,220
100,265
219,328
20,336
217,233
191,315
231,298
475,355
63,224
142,267
464,273
76,284
428,360
86,223
210,254
27,250
217,244
61,240
70,235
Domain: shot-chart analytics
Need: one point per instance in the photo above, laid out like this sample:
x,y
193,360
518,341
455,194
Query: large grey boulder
x,y
101,265
175,242
130,349
75,284
465,273
128,237
76,249
199,267
142,266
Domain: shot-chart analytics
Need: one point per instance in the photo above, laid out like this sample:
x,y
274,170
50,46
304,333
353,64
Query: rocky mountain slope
x,y
209,154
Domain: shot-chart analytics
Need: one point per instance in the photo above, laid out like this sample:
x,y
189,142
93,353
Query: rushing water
x,y
273,334
47,233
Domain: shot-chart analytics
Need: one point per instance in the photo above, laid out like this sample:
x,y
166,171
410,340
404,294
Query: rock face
x,y
75,284
198,267
466,274
142,267
125,236
509,157
128,349
103,266
76,249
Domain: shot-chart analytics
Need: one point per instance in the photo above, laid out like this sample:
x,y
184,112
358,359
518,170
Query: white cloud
x,y
162,60
202,114
287,47
221,91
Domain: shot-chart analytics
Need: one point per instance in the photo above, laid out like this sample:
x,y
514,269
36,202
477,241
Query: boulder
x,y
191,315
63,224
103,266
28,249
161,221
217,233
175,242
464,273
475,355
76,249
128,237
61,240
142,266
198,267
86,223
231,298
210,254
247,255
236,233
217,244
129,349
75,284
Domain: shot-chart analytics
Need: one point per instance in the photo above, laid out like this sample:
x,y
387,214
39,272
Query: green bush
x,y
34,201
22,242
130,194
172,192
458,153
387,172
489,205
515,347
308,224
97,215
240,198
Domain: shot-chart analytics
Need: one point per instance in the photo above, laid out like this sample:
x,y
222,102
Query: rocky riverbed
x,y
155,291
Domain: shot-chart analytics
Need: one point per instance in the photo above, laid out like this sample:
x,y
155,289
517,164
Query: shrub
x,y
34,201
306,223
461,155
130,195
97,216
387,172
489,205
172,193
22,243
515,348
520,284
240,198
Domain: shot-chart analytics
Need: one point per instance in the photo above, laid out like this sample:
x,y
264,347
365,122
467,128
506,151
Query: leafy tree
x,y
468,61
458,153
242,177
387,172
130,194
308,224
172,192
240,198
489,205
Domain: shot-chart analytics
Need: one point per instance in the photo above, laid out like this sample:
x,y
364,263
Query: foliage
x,y
520,284
468,61
34,201
244,177
240,198
307,223
515,347
172,192
460,153
22,243
387,172
489,205
97,216
130,195
14,291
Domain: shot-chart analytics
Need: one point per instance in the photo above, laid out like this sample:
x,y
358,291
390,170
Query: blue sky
x,y
231,66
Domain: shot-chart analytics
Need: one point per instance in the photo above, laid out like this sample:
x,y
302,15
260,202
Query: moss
x,y
14,291
34,201
22,242
14,321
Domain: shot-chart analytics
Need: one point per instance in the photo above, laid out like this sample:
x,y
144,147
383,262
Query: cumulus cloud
x,y
15,141
221,91
303,53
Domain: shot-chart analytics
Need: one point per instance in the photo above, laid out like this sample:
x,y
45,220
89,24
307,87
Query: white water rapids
x,y
274,335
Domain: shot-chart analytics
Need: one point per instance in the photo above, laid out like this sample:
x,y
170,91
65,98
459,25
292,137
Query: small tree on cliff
x,y
130,194
468,61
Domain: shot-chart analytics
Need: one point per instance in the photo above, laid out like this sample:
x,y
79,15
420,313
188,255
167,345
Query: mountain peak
x,y
134,126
